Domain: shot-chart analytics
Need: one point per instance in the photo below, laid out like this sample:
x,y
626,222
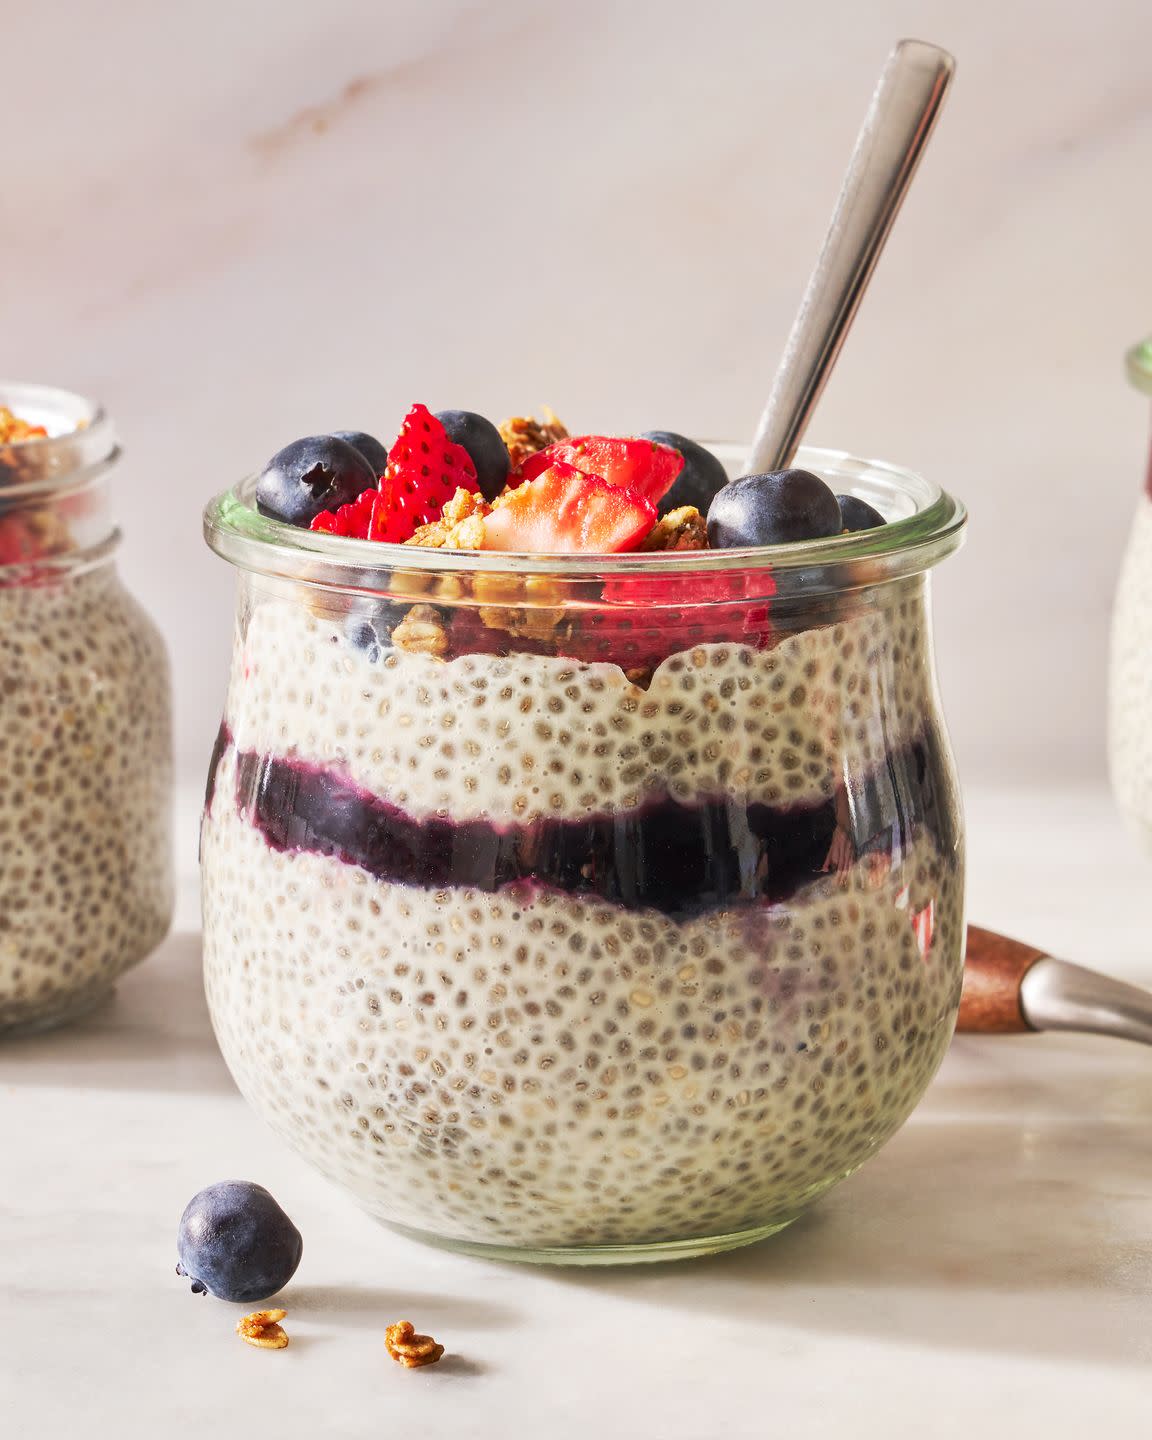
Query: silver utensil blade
x,y
1057,995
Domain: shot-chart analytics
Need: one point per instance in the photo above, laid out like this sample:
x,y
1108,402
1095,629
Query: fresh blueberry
x,y
775,509
317,473
369,627
237,1243
368,446
857,514
482,441
701,479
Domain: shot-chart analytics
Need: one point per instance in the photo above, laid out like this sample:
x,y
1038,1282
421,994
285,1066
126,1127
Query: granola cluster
x,y
409,1349
457,528
524,435
14,431
683,529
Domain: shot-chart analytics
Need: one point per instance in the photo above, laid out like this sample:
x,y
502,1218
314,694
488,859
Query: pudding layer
x,y
513,739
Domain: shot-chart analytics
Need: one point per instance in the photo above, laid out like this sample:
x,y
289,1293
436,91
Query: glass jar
x,y
1130,671
85,745
586,909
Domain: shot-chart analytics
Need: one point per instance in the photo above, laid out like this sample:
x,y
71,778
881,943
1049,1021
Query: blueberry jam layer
x,y
679,859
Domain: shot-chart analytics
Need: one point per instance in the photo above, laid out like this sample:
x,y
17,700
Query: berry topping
x,y
353,520
482,441
317,473
368,446
641,466
425,469
237,1243
775,509
701,479
857,514
564,511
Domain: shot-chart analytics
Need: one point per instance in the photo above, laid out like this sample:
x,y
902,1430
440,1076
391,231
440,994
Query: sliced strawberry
x,y
707,588
642,466
563,511
425,469
354,520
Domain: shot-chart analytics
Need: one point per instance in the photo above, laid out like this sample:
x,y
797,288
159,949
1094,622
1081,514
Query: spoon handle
x,y
895,132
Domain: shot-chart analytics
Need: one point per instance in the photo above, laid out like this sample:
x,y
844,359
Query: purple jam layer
x,y
679,859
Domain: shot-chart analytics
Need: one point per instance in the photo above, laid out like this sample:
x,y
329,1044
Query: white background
x,y
240,222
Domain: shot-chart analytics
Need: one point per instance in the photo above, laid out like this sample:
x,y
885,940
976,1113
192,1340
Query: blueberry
x,y
482,441
368,446
237,1243
317,473
775,509
369,627
701,479
857,514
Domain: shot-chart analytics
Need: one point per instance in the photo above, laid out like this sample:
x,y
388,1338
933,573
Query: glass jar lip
x,y
80,445
925,524
1138,362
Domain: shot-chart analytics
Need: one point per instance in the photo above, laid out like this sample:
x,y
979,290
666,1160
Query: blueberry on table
x,y
701,479
317,473
775,509
368,446
482,441
237,1243
857,514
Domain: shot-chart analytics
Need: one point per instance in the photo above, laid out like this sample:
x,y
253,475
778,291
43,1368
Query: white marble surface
x,y
987,1274
247,221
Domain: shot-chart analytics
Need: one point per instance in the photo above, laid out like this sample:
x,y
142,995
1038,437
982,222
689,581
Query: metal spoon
x,y
1013,988
895,131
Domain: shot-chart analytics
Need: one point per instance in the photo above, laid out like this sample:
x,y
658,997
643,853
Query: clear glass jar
x,y
1130,671
85,730
586,909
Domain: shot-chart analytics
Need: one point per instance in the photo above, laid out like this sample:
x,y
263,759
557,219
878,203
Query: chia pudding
x,y
85,875
538,949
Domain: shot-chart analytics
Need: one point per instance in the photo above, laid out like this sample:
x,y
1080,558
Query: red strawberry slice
x,y
707,588
642,466
352,520
564,511
425,469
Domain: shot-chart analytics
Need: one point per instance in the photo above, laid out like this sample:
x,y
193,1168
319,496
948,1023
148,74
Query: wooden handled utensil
x,y
1014,988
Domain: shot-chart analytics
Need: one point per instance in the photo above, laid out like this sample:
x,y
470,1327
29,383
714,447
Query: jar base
x,y
648,1253
72,1007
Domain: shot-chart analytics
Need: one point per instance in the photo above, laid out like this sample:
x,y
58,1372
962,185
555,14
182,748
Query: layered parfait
x,y
568,889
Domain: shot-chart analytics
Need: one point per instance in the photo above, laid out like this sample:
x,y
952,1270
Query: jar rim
x,y
926,524
80,445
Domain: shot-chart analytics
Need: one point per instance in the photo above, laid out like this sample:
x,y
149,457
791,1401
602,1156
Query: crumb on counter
x,y
262,1329
409,1349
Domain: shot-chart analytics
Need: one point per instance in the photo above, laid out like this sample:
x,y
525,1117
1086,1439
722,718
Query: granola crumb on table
x,y
262,1329
409,1349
